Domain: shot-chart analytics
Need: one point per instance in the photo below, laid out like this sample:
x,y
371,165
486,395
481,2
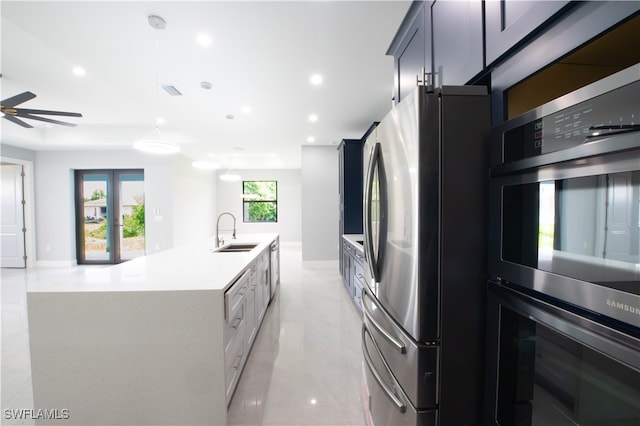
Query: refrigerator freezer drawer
x,y
380,410
414,367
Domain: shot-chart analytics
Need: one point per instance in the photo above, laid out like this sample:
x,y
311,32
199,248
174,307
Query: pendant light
x,y
230,176
154,142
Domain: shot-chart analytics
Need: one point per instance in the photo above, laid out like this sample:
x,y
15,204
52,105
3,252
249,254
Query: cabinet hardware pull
x,y
236,322
238,361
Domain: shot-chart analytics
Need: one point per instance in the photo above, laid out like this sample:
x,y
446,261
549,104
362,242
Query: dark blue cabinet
x,y
508,22
411,49
350,168
457,41
350,184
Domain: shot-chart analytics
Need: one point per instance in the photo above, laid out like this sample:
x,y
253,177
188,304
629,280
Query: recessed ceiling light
x,y
246,109
157,22
229,116
316,79
172,90
160,120
313,118
311,139
79,71
203,40
205,85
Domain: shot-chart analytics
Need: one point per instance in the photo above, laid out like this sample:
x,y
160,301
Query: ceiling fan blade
x,y
47,120
20,112
18,122
18,99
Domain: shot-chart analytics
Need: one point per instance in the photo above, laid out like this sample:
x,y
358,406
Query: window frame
x,y
247,201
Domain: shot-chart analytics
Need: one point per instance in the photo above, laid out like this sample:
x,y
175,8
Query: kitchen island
x,y
161,339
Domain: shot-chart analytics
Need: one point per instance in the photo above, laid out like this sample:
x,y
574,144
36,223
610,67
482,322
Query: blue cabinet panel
x,y
411,49
457,41
508,22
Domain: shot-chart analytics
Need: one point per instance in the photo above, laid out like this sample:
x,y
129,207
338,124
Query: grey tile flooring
x,y
304,367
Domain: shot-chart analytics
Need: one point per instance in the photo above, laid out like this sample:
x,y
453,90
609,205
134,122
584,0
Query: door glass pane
x,y
586,228
97,223
131,215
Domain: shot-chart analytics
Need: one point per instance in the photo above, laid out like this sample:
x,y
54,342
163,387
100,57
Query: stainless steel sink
x,y
236,248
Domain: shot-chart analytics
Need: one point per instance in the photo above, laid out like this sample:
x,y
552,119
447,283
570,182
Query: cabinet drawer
x,y
234,295
358,255
234,328
234,362
359,273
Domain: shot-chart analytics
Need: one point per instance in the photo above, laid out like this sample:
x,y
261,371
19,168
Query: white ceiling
x,y
262,55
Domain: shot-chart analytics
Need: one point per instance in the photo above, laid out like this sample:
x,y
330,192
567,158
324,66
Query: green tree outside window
x,y
260,201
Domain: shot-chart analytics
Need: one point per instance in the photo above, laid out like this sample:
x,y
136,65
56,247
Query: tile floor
x,y
304,368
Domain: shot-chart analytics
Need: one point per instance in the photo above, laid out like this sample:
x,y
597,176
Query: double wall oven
x,y
563,341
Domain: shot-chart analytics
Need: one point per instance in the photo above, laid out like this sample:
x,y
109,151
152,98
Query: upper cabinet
x,y
411,49
457,41
508,22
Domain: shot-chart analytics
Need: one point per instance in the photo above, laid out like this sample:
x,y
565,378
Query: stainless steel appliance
x,y
563,318
549,366
425,246
565,201
274,265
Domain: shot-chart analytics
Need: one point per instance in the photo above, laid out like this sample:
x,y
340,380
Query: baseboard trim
x,y
321,264
56,263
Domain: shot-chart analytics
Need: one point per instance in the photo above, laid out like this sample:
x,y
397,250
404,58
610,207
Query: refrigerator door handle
x,y
401,406
372,261
369,316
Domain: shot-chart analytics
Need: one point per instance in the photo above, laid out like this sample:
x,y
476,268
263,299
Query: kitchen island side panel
x,y
122,358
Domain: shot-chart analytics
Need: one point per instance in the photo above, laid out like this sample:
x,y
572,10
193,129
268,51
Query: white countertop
x,y
353,239
192,267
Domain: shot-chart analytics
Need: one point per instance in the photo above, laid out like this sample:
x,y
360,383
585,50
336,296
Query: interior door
x,y
12,233
110,217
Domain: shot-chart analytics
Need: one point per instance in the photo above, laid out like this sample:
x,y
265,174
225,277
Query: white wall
x,y
194,202
229,199
164,178
320,203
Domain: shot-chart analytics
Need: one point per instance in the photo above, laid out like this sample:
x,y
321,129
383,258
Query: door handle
x,y
394,342
370,255
401,406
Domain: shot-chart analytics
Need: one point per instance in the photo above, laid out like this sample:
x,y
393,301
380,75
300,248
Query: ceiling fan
x,y
7,107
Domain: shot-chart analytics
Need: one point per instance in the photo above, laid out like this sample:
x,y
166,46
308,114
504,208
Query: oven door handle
x,y
396,343
401,406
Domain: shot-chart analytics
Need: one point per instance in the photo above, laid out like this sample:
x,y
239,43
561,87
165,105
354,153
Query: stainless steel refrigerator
x,y
425,220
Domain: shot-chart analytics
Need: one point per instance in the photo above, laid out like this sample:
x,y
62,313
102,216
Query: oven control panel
x,y
611,113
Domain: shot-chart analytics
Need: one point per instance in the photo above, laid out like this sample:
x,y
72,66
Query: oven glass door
x,y
550,374
585,227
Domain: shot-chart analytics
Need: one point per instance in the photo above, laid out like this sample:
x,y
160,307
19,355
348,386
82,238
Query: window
x,y
260,201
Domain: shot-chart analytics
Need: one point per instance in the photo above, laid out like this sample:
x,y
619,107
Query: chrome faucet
x,y
218,240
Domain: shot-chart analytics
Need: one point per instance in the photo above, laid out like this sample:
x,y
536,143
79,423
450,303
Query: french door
x,y
110,225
